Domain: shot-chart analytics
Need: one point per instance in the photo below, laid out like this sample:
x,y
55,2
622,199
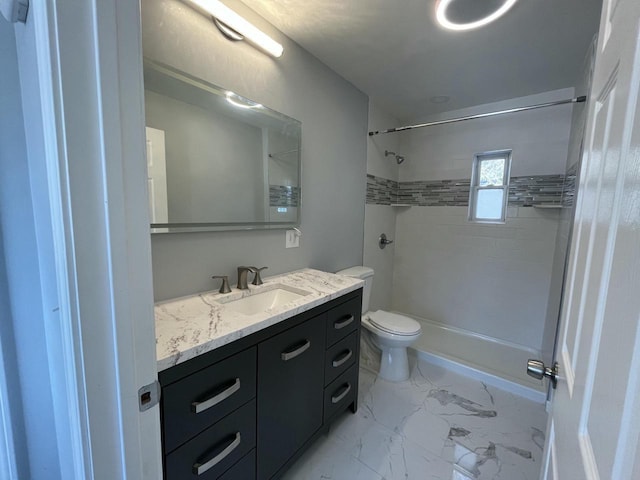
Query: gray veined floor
x,y
436,425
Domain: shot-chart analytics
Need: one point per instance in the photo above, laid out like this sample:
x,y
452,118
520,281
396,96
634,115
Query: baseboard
x,y
488,378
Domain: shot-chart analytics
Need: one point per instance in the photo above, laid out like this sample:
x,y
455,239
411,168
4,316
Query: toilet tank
x,y
363,273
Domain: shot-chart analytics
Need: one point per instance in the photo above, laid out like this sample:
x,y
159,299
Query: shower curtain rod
x,y
580,99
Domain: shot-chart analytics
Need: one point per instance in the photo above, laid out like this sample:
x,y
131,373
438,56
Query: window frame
x,y
475,187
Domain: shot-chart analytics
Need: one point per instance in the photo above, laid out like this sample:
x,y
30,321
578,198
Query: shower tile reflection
x,y
436,425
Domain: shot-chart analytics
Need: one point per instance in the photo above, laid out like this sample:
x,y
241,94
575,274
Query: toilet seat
x,y
394,323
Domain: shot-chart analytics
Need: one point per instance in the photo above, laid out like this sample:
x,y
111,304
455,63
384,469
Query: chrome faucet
x,y
224,288
257,280
242,277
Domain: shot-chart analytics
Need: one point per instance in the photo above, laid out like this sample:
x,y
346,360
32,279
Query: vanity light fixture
x,y
240,102
235,27
441,16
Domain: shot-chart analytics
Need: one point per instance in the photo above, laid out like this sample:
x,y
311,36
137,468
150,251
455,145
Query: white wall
x,y
489,279
380,218
334,132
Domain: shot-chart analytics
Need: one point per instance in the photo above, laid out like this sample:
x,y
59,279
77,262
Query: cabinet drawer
x,y
340,393
194,403
245,469
216,449
290,387
343,319
340,357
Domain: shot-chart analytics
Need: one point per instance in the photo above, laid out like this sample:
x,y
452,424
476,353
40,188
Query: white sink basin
x,y
262,301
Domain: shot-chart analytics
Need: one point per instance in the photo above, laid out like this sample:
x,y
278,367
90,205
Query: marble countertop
x,y
190,326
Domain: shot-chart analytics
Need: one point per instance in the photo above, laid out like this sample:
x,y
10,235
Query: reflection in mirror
x,y
217,160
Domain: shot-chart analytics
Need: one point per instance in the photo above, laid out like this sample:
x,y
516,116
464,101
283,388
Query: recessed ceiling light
x,y
444,18
440,99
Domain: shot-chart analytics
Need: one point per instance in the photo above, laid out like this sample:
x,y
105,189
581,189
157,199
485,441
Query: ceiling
x,y
394,51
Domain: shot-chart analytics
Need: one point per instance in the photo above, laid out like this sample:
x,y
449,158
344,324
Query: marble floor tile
x,y
326,460
436,425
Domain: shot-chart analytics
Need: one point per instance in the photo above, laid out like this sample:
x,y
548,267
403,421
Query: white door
x,y
157,176
595,423
80,66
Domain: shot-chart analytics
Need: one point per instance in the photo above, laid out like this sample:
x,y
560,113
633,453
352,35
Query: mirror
x,y
216,160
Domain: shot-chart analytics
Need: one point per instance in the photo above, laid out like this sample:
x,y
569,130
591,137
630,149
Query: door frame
x,y
82,93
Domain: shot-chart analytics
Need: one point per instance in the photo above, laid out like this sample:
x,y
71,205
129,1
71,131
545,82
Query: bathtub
x,y
492,361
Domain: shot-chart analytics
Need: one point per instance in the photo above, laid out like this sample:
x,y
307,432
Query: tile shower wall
x,y
485,278
382,176
488,279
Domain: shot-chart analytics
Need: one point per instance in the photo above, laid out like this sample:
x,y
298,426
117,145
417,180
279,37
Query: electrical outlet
x,y
292,239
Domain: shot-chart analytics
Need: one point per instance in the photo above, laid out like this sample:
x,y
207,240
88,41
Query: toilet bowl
x,y
390,332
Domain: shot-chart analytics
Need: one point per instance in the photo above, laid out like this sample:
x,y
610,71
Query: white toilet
x,y
391,332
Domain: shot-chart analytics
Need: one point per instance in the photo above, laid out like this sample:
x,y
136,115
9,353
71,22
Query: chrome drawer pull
x,y
345,357
343,323
342,395
199,407
286,356
200,468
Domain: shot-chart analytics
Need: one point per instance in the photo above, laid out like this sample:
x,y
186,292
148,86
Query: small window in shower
x,y
489,191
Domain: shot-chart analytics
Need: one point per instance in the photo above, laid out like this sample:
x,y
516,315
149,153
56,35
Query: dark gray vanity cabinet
x,y
249,409
290,386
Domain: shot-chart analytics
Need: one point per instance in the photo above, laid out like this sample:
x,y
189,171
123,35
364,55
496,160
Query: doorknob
x,y
536,369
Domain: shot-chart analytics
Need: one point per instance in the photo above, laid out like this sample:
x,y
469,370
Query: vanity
x,y
251,378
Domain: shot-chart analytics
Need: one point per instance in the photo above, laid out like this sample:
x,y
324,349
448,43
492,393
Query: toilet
x,y
390,332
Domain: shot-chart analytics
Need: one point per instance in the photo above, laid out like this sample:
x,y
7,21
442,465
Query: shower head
x,y
399,158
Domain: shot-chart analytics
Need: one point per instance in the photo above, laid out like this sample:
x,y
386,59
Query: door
x,y
80,66
595,423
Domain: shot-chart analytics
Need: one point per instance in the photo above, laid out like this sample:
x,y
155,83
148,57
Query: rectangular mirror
x,y
216,160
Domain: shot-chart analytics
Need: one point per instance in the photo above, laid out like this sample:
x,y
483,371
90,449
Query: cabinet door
x,y
245,469
214,451
343,319
340,357
341,393
201,399
290,392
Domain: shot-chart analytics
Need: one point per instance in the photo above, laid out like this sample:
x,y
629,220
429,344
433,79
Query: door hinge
x,y
149,396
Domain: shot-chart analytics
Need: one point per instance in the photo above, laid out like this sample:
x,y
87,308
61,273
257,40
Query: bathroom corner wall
x,y
380,217
490,279
334,150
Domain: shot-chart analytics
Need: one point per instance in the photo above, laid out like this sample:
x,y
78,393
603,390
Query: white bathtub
x,y
495,362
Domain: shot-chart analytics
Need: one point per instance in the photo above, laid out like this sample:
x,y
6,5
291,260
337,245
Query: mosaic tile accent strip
x,y
381,191
523,191
284,196
453,193
538,190
569,188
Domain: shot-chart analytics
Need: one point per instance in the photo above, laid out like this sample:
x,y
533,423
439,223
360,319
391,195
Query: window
x,y
489,191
